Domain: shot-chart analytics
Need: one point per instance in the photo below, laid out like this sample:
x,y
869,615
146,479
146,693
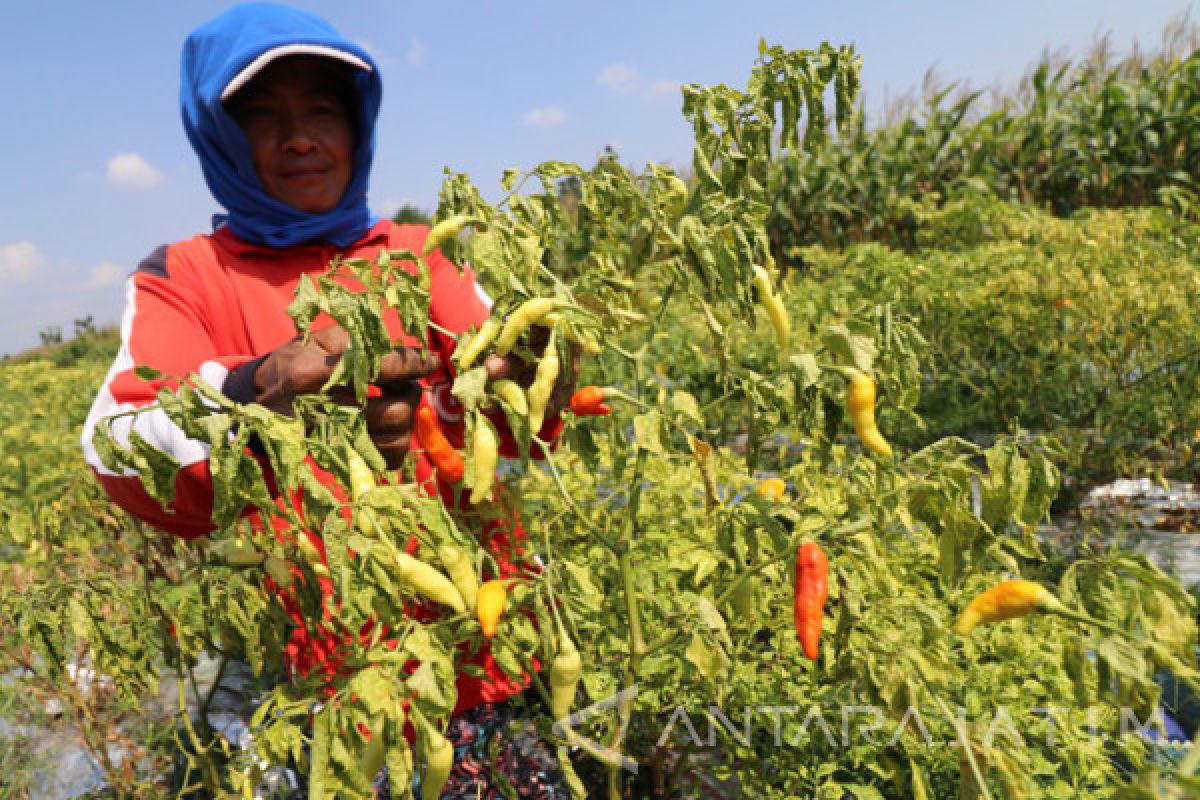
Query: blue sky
x,y
97,172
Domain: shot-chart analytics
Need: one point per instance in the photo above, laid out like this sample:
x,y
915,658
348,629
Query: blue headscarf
x,y
214,55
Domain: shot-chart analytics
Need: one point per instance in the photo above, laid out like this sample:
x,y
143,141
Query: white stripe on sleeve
x,y
152,423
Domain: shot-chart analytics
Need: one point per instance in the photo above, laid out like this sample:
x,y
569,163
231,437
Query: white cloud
x,y
381,56
130,171
20,262
665,86
416,53
619,76
545,117
104,275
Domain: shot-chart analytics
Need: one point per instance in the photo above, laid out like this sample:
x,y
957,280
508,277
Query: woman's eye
x,y
253,111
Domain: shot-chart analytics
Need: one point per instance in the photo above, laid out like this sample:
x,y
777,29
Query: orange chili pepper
x,y
589,402
446,460
812,589
1006,600
490,604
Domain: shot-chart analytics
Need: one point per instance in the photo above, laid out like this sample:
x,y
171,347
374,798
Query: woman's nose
x,y
298,136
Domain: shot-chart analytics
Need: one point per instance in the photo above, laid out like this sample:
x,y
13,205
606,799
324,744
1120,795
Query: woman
x,y
281,111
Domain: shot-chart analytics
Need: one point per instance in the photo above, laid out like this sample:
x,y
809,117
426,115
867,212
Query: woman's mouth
x,y
300,174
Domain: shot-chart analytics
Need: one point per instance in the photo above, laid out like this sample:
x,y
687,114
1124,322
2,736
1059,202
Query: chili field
x,y
1020,351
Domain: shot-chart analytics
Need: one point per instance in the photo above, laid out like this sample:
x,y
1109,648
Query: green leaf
x,y
709,614
400,768
156,469
489,253
708,659
148,374
807,371
469,386
685,403
585,590
319,751
425,684
509,179
647,432
848,348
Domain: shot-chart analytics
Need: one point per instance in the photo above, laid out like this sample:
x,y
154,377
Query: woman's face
x,y
295,115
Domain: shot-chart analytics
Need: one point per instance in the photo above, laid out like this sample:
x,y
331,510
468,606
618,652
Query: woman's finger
x,y
406,364
394,410
393,447
511,367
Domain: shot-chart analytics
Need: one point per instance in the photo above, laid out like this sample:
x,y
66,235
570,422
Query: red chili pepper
x,y
812,589
589,402
446,460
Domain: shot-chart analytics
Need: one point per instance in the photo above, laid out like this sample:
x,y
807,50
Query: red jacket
x,y
211,304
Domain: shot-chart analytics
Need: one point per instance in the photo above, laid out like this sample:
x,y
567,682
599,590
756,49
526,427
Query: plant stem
x,y
965,741
625,563
537,681
562,489
710,405
212,691
628,356
637,646
680,765
1086,619
617,394
744,576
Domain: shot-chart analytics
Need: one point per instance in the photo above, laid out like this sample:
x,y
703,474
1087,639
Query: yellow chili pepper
x,y
485,452
439,760
774,307
543,384
529,312
773,489
362,480
860,399
471,346
461,571
493,595
565,672
427,581
443,232
1005,600
511,393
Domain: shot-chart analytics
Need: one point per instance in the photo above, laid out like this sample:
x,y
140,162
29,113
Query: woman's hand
x,y
300,367
523,372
